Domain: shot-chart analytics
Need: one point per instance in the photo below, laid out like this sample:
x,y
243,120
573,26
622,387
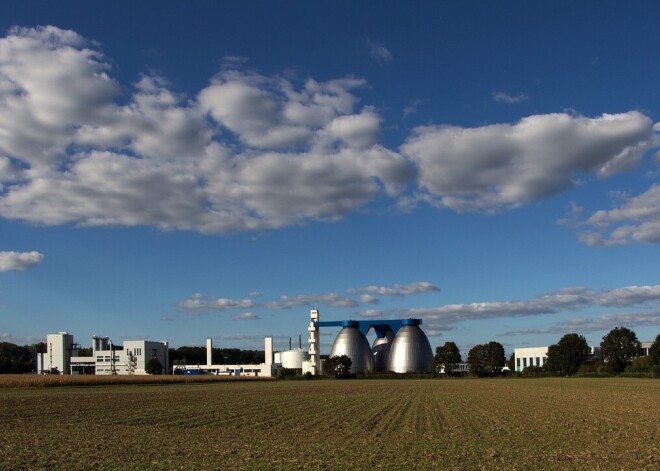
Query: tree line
x,y
219,356
482,360
619,353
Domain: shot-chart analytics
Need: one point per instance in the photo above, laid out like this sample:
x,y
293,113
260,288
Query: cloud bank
x,y
504,166
252,152
635,219
443,318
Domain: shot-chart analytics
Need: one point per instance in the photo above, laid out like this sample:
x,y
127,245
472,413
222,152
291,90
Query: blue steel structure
x,y
380,326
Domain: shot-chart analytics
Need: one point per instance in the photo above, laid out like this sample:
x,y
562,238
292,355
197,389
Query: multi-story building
x,y
62,356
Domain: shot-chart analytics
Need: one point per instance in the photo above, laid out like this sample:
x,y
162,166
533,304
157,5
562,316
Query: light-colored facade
x,y
530,356
538,356
59,350
61,356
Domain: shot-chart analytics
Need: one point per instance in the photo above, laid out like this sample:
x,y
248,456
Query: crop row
x,y
382,424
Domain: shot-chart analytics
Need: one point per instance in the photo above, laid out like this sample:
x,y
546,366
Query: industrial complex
x,y
400,346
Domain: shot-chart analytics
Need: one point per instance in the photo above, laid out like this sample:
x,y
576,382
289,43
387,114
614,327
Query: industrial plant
x,y
400,346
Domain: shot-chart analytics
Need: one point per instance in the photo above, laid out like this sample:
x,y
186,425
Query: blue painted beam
x,y
380,326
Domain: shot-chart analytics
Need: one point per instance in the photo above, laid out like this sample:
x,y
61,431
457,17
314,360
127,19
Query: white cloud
x,y
287,302
19,261
359,130
253,152
636,219
249,152
397,290
568,299
378,52
595,324
198,303
502,97
629,296
503,166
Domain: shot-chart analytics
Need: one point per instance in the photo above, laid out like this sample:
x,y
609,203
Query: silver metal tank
x,y
381,351
411,350
352,343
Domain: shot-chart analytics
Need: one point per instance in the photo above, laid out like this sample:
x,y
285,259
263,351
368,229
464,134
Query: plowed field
x,y
355,424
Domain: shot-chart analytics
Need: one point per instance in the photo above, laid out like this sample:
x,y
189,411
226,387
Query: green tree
x,y
154,367
447,358
655,351
477,360
619,348
640,365
495,358
15,358
566,357
338,366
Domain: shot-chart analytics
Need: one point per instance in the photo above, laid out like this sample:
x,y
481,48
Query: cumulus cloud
x,y
19,261
248,152
254,152
635,219
397,290
503,166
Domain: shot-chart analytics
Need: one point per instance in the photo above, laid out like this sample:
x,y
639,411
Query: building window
x,y
538,361
524,362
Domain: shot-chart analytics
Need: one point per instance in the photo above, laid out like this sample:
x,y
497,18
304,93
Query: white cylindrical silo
x,y
294,358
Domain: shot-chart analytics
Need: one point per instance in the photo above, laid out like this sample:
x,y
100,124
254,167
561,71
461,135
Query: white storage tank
x,y
293,358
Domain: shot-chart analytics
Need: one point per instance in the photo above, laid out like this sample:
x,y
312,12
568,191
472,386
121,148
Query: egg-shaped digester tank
x,y
380,350
411,350
352,343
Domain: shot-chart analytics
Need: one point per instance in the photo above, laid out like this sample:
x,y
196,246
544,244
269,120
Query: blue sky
x,y
184,170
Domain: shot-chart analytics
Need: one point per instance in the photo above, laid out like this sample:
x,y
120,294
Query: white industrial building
x,y
62,357
267,369
530,356
538,356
